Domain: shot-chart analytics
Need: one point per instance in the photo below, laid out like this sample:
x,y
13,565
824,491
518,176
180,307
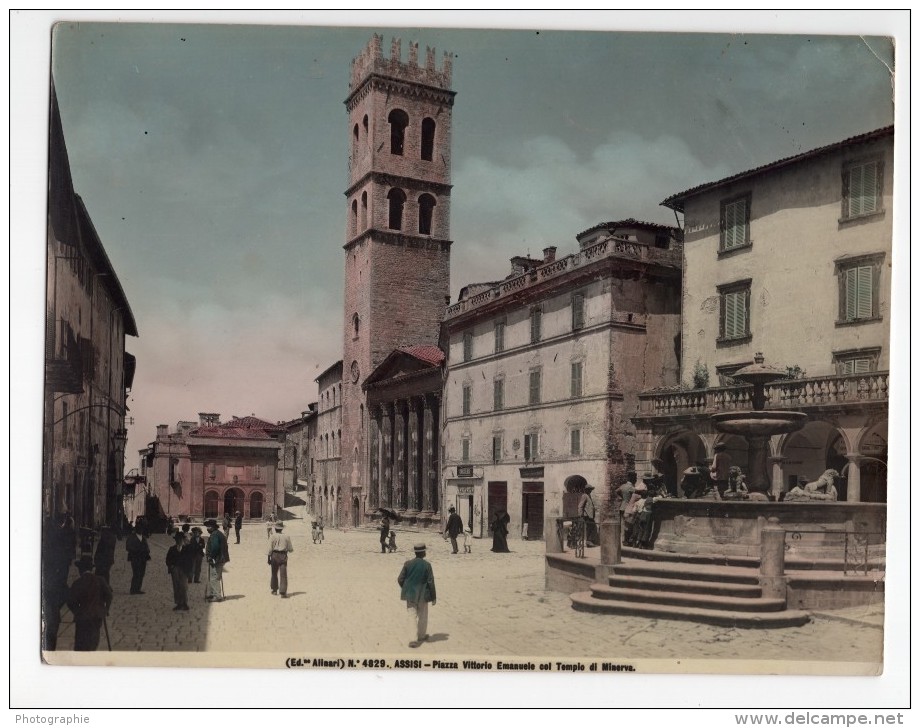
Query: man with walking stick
x,y
218,554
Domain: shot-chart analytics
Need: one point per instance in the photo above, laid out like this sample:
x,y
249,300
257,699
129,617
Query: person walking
x,y
89,600
417,583
179,567
227,523
500,532
237,525
217,554
279,546
384,533
138,554
454,527
196,544
105,553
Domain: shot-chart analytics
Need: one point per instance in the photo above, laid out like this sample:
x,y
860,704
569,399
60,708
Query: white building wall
x,y
796,234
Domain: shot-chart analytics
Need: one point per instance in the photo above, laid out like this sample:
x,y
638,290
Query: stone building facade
x,y
209,468
325,488
791,259
545,368
87,370
298,458
397,249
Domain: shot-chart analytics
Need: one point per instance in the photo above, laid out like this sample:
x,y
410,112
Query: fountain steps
x,y
697,589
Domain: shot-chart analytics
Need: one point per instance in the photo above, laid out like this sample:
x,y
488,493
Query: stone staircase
x,y
696,588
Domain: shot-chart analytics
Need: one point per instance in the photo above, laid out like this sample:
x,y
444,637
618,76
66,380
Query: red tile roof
x,y
230,433
252,423
428,354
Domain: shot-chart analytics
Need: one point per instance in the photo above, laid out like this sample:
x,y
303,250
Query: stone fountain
x,y
758,425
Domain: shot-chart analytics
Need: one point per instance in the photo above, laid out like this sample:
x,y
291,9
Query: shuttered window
x,y
534,387
858,361
735,314
467,398
496,448
467,346
858,292
861,189
578,311
536,324
531,445
498,394
465,450
735,223
575,442
576,388
499,336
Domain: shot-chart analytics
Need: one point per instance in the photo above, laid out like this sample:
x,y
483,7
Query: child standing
x,y
391,544
468,540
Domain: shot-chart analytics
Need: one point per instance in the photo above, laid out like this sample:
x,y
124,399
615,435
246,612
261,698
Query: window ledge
x,y
857,322
723,342
728,252
858,218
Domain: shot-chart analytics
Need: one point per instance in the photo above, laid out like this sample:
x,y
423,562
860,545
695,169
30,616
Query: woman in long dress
x,y
500,532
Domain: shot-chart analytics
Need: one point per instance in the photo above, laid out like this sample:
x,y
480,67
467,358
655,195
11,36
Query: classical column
x,y
386,481
399,454
435,469
374,455
428,428
412,503
853,484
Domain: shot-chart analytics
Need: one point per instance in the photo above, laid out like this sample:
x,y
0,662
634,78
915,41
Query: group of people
x,y
633,502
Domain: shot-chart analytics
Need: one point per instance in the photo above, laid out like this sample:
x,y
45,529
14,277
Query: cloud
x,y
541,193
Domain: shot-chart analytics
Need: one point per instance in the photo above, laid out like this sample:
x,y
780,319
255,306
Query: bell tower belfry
x,y
397,227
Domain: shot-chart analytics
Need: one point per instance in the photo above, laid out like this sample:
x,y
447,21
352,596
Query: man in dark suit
x,y
454,527
89,600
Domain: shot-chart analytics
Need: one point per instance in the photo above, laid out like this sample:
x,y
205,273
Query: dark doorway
x,y
355,512
233,501
532,511
498,499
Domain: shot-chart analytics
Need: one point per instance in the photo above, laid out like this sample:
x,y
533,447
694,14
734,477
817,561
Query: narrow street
x,y
344,602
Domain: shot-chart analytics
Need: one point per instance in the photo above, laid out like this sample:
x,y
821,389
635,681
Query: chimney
x,y
549,254
162,431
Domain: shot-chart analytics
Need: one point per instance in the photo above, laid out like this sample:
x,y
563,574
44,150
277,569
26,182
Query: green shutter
x,y
863,189
735,224
864,293
734,315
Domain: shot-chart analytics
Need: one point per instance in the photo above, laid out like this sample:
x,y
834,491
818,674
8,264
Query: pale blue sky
x,y
213,160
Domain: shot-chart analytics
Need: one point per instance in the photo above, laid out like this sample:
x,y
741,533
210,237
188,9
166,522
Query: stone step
x,y
653,583
692,572
756,603
705,559
586,602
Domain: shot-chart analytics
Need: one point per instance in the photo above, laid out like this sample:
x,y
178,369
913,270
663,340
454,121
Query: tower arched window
x,y
428,127
354,138
397,199
399,120
364,210
354,217
426,205
364,124
356,323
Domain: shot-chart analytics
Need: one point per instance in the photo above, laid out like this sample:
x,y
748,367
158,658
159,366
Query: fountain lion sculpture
x,y
822,489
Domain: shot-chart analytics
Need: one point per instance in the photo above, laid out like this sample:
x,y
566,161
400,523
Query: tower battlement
x,y
371,60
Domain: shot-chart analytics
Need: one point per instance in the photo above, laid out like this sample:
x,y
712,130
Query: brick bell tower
x,y
397,230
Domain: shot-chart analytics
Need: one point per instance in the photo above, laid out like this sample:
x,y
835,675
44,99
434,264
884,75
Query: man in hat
x,y
89,600
417,582
279,546
138,554
623,493
217,554
720,469
454,527
179,567
196,544
237,525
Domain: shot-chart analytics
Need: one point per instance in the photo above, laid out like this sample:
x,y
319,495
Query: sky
x,y
213,161
213,158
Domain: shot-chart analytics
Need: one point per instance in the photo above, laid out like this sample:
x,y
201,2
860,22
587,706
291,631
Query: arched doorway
x,y
873,465
256,504
355,512
678,452
211,504
233,501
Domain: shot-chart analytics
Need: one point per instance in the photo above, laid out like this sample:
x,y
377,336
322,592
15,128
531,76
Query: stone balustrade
x,y
790,394
611,247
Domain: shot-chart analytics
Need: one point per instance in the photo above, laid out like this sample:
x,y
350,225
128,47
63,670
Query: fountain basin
x,y
759,423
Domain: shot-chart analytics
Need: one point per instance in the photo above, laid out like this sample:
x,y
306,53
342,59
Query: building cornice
x,y
386,179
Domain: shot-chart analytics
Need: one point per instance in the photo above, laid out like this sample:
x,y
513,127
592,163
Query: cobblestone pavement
x,y
344,600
